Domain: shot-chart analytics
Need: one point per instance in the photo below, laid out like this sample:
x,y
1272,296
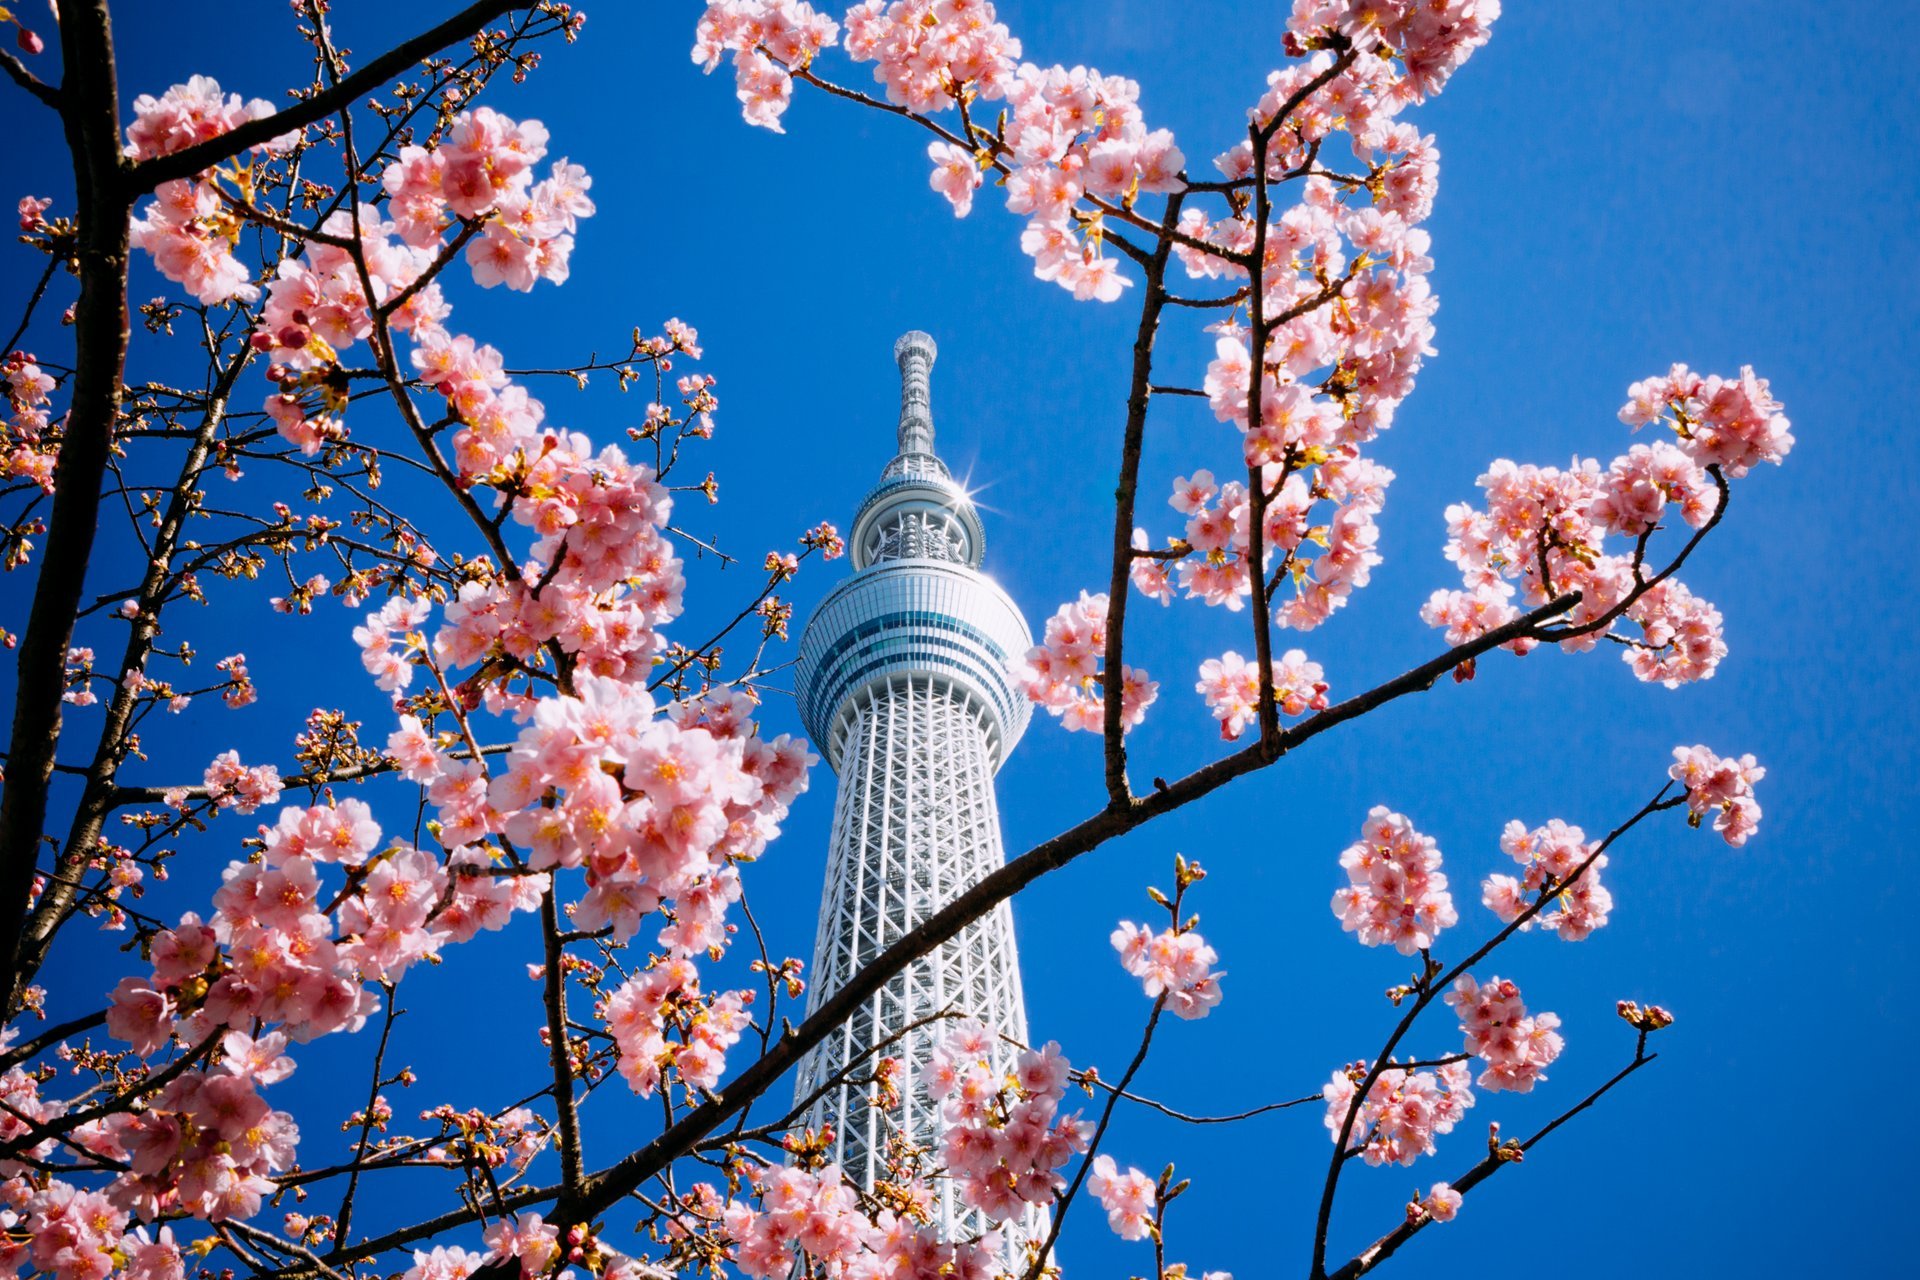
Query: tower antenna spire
x,y
915,353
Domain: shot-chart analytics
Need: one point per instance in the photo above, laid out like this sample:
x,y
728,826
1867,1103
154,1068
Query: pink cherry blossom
x,y
1551,855
1734,423
1129,1198
767,38
1396,892
187,114
1721,786
1515,1046
1231,686
1403,1111
1176,964
955,175
1064,671
242,788
1005,1141
1441,1204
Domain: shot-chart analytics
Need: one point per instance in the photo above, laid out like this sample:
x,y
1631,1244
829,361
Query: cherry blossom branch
x,y
111,746
979,141
1184,1118
124,796
1644,585
53,1129
267,1241
1153,299
91,114
51,1036
1065,1202
607,1187
845,1073
1260,331
509,1202
559,1056
1264,133
1432,984
148,174
33,303
693,655
1383,1248
344,1218
30,82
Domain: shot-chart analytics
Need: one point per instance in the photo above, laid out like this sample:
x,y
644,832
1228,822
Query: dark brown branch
x,y
1152,301
1260,328
1383,1248
32,83
559,1054
344,1219
375,75
113,743
33,303
51,1036
1433,984
1093,1147
609,1186
1184,1118
91,114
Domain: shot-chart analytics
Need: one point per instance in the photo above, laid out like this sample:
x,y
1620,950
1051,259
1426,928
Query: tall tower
x,y
903,680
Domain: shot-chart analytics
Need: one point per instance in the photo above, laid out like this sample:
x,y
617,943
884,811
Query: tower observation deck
x,y
902,680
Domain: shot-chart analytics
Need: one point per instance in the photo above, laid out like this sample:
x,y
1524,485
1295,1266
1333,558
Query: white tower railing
x,y
902,681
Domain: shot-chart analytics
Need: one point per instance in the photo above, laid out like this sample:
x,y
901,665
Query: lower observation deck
x,y
924,618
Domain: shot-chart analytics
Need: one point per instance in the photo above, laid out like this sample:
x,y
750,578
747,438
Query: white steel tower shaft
x,y
903,682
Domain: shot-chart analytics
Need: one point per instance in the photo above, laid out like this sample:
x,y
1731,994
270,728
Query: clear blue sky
x,y
1622,187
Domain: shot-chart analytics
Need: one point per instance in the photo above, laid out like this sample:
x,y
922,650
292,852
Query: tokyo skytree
x,y
903,683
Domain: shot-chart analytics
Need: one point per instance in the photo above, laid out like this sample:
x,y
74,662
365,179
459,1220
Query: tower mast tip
x,y
915,353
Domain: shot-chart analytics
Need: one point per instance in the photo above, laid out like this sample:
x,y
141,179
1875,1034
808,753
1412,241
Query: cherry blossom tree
x,y
558,766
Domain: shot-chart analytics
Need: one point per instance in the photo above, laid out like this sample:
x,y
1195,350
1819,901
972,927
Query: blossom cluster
x,y
242,788
1129,1198
1432,38
1515,1046
517,231
483,173
73,1234
1551,855
1004,1138
1403,1110
1722,787
1732,423
667,996
1545,528
818,1212
204,1146
1344,299
1396,893
1064,673
1175,963
656,810
1215,564
766,39
193,224
1231,686
1078,146
1074,145
30,451
930,55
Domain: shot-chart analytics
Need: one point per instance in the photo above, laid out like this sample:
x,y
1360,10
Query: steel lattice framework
x,y
903,681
